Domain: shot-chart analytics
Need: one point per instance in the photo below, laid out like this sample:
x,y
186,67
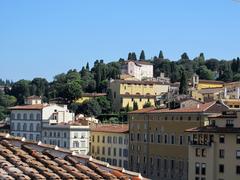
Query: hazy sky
x,y
47,37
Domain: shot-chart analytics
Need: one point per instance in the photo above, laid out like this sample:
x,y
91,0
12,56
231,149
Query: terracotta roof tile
x,y
114,128
28,160
29,107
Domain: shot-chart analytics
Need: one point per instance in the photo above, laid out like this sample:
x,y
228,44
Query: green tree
x,y
134,56
91,108
183,84
142,55
87,67
147,104
236,77
39,87
135,105
21,90
212,64
205,73
104,103
227,74
184,56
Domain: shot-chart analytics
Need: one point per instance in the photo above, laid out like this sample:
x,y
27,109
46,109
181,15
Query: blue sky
x,y
44,38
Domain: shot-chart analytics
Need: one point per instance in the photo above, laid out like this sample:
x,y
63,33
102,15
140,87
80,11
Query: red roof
x,y
196,108
29,107
113,128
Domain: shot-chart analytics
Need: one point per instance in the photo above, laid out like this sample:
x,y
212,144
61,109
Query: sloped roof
x,y
29,107
205,107
113,128
28,160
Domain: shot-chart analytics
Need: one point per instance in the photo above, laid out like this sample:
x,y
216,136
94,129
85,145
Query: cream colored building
x,y
158,146
214,152
126,92
137,69
109,143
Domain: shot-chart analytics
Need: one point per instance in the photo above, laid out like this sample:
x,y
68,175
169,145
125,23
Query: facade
x,y
74,137
158,145
110,143
214,152
232,103
126,92
137,69
22,159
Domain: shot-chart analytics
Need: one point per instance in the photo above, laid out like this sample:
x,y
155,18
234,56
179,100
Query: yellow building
x,y
232,103
88,96
214,152
158,146
126,92
109,142
209,84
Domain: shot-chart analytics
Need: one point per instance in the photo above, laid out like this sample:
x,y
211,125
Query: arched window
x,y
25,127
38,116
19,126
37,137
18,116
13,116
25,116
31,128
12,126
31,116
38,127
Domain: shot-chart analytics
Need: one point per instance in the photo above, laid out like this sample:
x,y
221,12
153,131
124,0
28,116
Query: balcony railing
x,y
196,143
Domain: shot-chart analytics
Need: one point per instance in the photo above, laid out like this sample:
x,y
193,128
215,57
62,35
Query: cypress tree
x,y
129,56
134,57
135,105
160,56
87,66
142,55
183,84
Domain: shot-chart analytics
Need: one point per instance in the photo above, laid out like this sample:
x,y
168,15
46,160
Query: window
x,y
114,162
38,137
229,123
31,136
38,127
204,153
64,144
125,153
65,135
198,152
109,151
221,168
31,127
25,116
180,140
145,138
221,153
38,116
75,144
238,154
31,116
221,139
197,168
92,138
114,151
159,138
238,169
19,116
238,139
152,138
165,138
19,126
98,139
120,163
172,139
120,152
25,127
158,163
98,150
93,150
109,139
189,118
103,139
203,169
120,140
114,140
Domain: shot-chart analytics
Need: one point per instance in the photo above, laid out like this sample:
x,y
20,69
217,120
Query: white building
x,y
138,69
50,123
109,142
74,137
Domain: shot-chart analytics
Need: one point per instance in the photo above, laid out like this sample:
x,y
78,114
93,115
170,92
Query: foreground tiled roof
x,y
29,107
114,128
27,160
194,109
